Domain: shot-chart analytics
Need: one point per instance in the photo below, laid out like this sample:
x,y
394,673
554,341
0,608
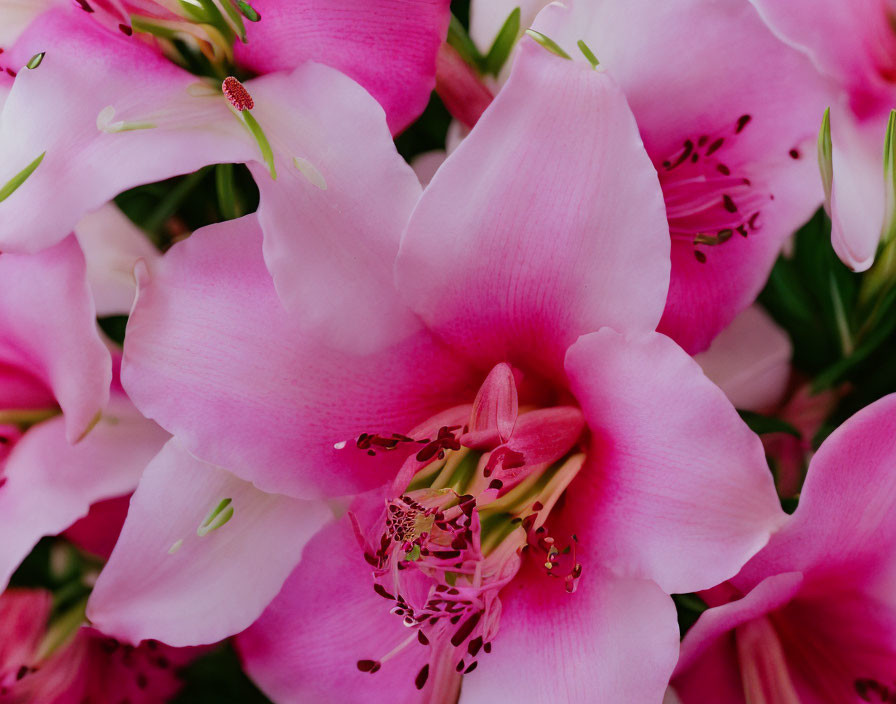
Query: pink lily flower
x,y
65,441
736,161
506,399
854,44
177,123
85,666
812,618
390,48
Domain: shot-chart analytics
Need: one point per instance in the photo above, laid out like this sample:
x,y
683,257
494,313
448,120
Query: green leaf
x,y
503,44
889,227
460,40
229,200
825,157
764,425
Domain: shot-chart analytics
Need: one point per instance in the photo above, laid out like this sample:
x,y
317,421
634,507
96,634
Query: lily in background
x,y
389,48
812,618
729,126
530,462
853,43
291,128
50,658
66,440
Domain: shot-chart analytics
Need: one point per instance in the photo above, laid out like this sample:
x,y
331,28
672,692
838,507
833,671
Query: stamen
x,y
35,60
451,526
707,203
216,518
310,172
104,122
12,185
237,94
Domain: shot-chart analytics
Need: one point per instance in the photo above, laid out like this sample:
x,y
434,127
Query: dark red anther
x,y
466,629
237,94
84,5
715,146
422,676
742,122
368,665
126,30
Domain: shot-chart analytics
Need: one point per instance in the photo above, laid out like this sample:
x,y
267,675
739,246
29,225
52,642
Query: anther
x,y
237,94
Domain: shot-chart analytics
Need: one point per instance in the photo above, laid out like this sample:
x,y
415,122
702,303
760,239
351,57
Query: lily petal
x,y
749,360
676,488
389,48
336,212
306,646
49,333
594,634
85,161
230,373
112,244
200,555
50,484
843,524
537,256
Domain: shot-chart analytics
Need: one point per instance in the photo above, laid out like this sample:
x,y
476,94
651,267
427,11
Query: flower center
x,y
707,203
209,27
461,521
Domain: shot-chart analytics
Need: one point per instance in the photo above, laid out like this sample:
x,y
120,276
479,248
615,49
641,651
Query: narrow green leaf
x,y
587,53
172,200
461,42
691,602
228,198
548,44
216,518
825,158
763,425
888,232
503,44
20,178
843,330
